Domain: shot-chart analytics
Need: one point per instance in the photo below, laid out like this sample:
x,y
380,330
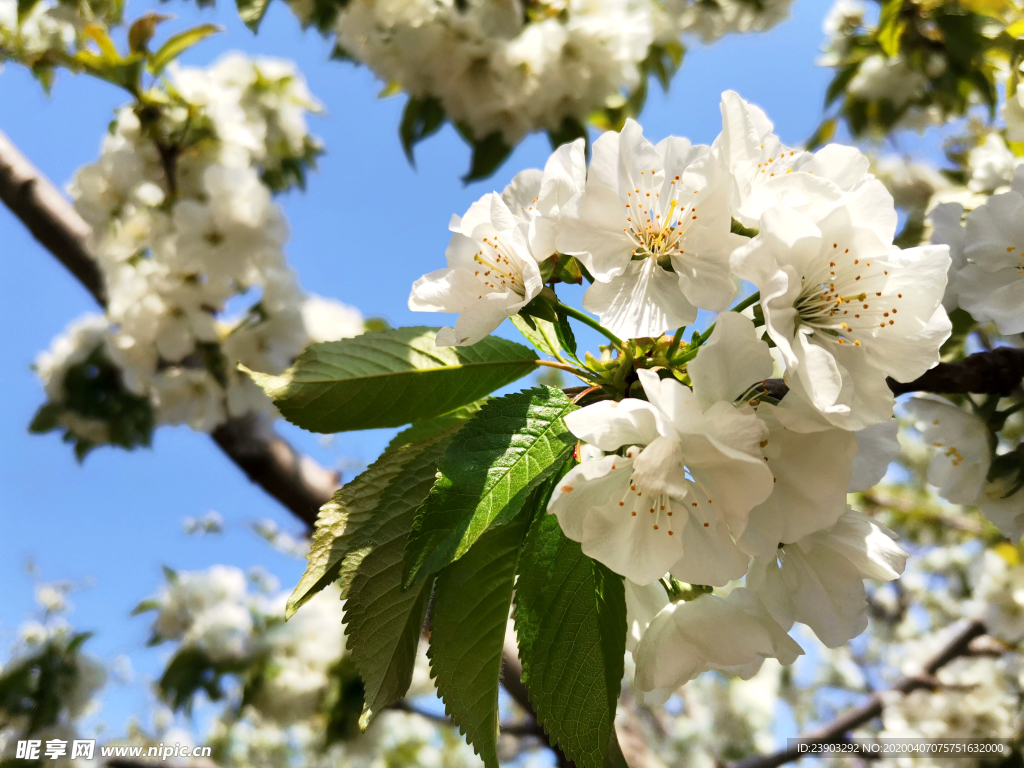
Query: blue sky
x,y
367,226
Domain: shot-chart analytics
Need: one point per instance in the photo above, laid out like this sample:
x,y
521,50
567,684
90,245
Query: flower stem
x,y
588,320
692,351
584,375
749,301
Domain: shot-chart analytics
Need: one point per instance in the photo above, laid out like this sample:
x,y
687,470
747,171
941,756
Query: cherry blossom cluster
x,y
701,477
35,33
183,222
512,68
233,621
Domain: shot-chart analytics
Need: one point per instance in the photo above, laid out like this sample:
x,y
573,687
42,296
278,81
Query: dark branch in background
x,y
294,479
996,372
835,732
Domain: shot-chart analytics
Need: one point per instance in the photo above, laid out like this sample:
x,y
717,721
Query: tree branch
x,y
835,732
298,482
996,372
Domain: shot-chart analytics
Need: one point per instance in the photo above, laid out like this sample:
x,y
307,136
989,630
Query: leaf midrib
x,y
394,374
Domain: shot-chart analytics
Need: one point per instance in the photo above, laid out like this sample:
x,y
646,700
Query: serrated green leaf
x,y
565,335
383,622
390,378
539,332
571,626
421,431
341,525
178,44
469,614
487,473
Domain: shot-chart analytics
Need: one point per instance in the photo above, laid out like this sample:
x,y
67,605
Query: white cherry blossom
x,y
538,196
818,580
844,306
964,453
648,209
991,285
683,488
948,229
1003,504
491,273
733,635
811,461
643,603
765,172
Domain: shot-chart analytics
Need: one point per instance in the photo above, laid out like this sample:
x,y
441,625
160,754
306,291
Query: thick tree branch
x,y
997,372
835,732
294,479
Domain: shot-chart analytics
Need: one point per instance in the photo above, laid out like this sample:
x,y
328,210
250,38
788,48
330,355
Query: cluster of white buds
x,y
183,222
514,67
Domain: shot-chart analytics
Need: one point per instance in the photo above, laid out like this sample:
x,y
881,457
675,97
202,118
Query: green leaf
x,y
565,335
539,332
383,622
47,418
570,130
143,29
390,378
891,26
839,82
421,431
341,524
251,12
421,118
178,44
488,154
821,134
571,625
24,9
469,614
487,473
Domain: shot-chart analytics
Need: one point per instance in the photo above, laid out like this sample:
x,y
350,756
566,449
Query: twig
x,y
835,732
